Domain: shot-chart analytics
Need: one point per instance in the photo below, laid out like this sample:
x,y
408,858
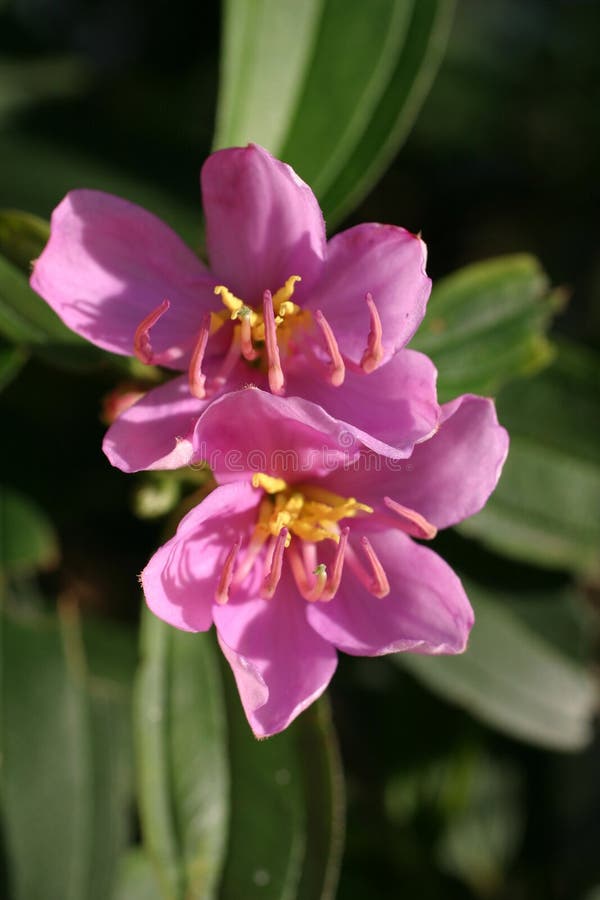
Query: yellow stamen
x,y
309,512
230,301
268,483
283,296
287,315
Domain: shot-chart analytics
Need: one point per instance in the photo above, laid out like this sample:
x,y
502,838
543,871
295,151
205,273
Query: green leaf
x,y
12,360
47,777
265,54
330,87
183,777
110,664
23,236
136,878
512,678
286,829
27,537
546,508
66,781
481,838
398,106
324,799
486,324
355,53
267,831
224,815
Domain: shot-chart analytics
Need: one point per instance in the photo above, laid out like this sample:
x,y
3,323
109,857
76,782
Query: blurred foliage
x,y
455,788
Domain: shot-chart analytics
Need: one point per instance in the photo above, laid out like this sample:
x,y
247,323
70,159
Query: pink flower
x,y
279,307
306,547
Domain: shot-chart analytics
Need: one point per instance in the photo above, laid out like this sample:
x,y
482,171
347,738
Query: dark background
x,y
503,158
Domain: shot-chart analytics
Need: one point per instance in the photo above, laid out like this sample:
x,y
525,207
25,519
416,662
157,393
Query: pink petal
x,y
255,431
389,410
447,478
385,261
181,579
280,664
156,432
451,476
427,610
109,263
263,223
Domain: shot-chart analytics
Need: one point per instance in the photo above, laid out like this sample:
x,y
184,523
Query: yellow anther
x,y
284,294
268,483
233,303
311,513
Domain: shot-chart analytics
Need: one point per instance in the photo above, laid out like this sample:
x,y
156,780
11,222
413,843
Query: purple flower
x,y
306,547
279,308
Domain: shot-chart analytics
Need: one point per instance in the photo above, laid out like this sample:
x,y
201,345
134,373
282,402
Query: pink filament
x,y
248,351
222,592
275,372
228,364
337,371
413,523
252,551
380,586
274,574
373,354
300,573
142,347
196,379
333,583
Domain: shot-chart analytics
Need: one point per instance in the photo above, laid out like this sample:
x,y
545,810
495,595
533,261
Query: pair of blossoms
x,y
329,448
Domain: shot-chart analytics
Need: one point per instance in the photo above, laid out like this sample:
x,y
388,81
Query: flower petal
x,y
156,432
255,431
385,261
280,664
181,579
448,477
389,410
109,263
263,223
427,610
451,476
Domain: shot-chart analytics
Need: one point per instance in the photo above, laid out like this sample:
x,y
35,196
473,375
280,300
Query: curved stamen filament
x,y
378,585
222,592
333,583
301,576
373,354
196,379
275,372
142,346
247,348
274,574
228,364
412,523
257,542
337,371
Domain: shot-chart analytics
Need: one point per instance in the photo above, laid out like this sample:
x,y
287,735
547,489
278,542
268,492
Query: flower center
x,y
310,513
260,335
296,518
287,316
